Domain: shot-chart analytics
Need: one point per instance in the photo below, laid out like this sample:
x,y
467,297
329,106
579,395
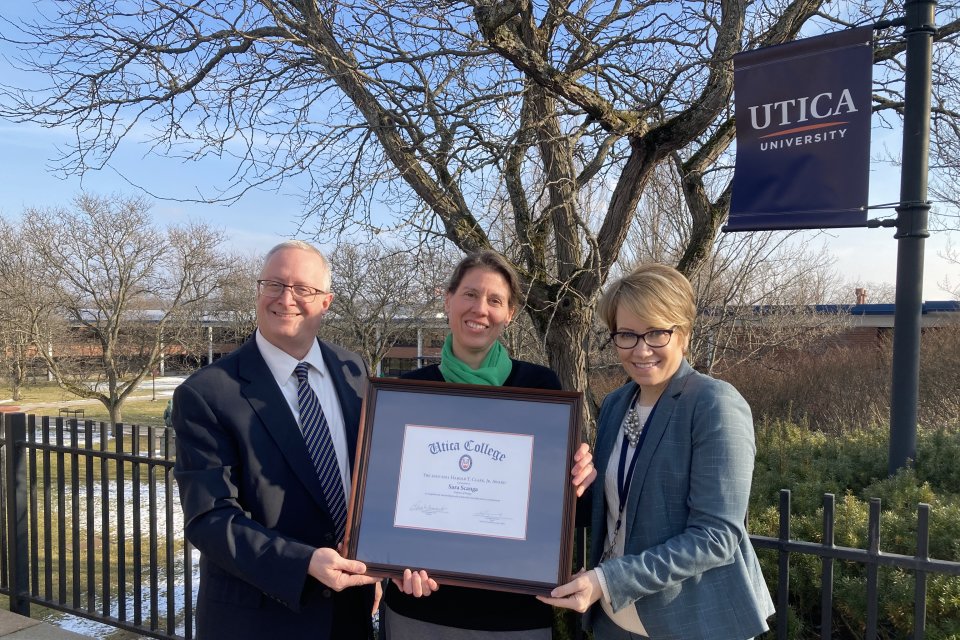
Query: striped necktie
x,y
316,434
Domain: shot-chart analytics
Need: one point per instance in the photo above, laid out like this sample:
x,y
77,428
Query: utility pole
x,y
912,214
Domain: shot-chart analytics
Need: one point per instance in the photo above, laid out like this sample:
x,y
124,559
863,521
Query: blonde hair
x,y
655,292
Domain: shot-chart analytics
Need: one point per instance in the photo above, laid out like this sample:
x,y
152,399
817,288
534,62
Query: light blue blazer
x,y
688,565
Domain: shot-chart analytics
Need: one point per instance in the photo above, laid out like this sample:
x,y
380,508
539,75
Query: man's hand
x,y
578,594
335,571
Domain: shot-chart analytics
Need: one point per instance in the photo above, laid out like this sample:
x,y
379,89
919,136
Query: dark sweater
x,y
467,608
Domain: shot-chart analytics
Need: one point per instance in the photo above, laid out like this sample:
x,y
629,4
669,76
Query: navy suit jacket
x,y
253,504
688,565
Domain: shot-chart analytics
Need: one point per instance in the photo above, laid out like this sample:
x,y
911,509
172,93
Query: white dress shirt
x,y
282,365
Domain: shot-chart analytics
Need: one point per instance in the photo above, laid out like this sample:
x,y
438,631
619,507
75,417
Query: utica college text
x,y
470,445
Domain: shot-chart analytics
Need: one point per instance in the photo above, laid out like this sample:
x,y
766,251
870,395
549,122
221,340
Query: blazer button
x,y
327,593
328,537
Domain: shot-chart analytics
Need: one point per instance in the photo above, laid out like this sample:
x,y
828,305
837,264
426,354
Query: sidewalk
x,y
17,627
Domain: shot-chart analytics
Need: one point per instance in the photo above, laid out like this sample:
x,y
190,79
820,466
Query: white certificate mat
x,y
464,481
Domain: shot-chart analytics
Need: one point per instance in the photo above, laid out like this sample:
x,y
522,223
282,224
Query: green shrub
x,y
854,468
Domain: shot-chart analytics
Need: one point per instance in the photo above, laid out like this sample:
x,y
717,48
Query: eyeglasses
x,y
272,289
654,338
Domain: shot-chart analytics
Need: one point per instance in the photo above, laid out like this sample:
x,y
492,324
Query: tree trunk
x,y
566,332
113,408
565,329
19,372
16,381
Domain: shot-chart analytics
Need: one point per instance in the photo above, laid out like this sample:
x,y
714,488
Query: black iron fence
x,y
93,528
92,524
921,565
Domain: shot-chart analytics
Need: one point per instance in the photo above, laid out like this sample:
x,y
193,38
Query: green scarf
x,y
494,370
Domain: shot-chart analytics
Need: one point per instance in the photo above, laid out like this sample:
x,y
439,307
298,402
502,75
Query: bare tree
x,y
756,292
235,304
952,287
121,283
764,294
442,111
226,317
383,294
16,353
25,306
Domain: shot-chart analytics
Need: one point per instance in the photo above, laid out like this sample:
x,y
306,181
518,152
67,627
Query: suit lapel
x,y
657,428
606,439
267,401
347,394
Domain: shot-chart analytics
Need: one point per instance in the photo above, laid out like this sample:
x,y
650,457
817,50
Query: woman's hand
x,y
578,594
377,596
416,583
583,472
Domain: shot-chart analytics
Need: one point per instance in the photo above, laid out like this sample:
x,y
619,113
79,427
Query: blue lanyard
x,y
623,483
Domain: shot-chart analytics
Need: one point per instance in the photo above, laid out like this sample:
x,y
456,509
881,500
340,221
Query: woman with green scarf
x,y
480,302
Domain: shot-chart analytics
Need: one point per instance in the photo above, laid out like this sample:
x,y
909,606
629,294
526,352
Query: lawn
x,y
137,411
141,408
41,392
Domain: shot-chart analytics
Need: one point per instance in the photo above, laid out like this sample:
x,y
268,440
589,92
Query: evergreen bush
x,y
854,468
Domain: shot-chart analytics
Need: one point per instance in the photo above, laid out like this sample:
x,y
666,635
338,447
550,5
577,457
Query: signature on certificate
x,y
490,517
427,509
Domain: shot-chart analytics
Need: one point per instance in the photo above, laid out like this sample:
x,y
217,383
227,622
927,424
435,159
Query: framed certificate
x,y
470,483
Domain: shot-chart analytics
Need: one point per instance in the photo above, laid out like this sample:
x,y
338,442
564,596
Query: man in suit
x,y
256,499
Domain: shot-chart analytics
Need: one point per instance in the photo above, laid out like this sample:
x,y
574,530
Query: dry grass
x,y
40,392
139,409
838,390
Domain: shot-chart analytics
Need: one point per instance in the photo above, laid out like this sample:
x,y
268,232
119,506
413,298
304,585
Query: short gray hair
x,y
304,246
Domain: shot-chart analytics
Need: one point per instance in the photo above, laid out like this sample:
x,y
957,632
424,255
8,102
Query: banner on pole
x,y
803,133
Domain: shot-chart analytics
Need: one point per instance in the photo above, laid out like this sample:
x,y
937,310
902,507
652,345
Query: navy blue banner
x,y
803,133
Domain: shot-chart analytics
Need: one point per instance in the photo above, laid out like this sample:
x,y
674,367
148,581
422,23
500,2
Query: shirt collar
x,y
282,364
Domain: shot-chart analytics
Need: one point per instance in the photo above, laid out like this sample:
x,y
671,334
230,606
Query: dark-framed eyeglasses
x,y
274,289
654,338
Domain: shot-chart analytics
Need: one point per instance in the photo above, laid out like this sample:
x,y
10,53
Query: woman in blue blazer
x,y
670,554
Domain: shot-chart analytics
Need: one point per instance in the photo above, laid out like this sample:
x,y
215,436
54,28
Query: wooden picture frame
x,y
470,483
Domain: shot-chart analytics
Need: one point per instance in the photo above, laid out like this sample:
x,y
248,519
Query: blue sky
x,y
261,219
258,221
